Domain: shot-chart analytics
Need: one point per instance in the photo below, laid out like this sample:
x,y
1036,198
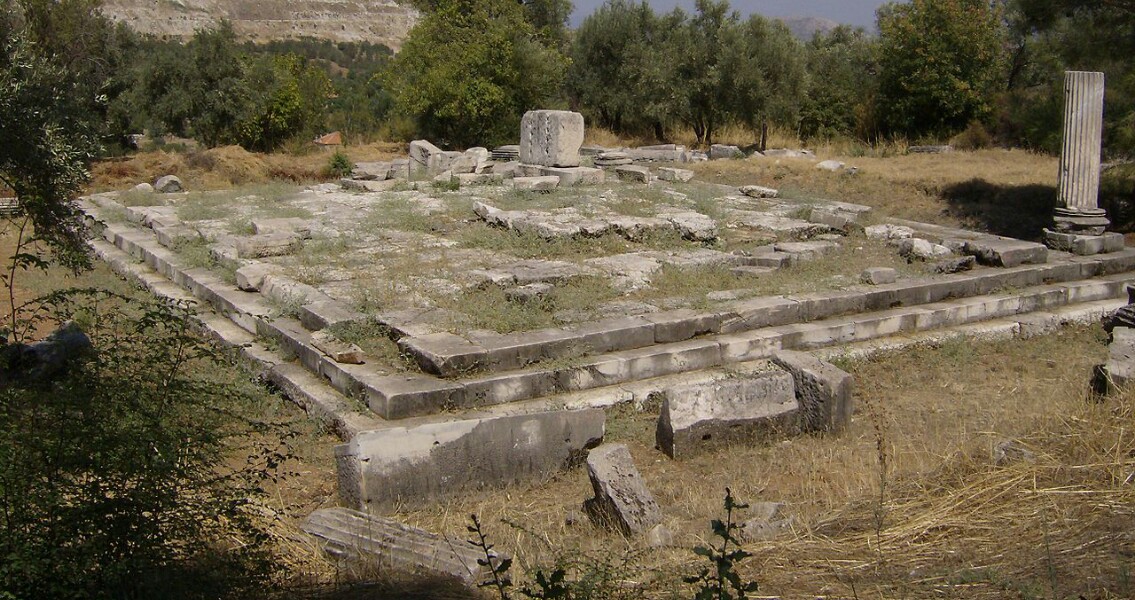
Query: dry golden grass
x,y
1009,192
949,522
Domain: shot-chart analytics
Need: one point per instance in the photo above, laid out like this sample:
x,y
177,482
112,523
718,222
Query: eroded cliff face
x,y
377,21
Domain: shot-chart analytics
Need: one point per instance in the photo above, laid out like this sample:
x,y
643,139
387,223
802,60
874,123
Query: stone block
x,y
507,387
1084,245
338,350
464,179
757,191
755,313
673,174
444,354
270,244
423,159
173,236
598,372
1118,373
720,151
748,345
621,500
402,396
680,357
888,232
571,176
633,174
608,335
823,390
551,138
319,315
414,466
378,542
737,410
1005,252
536,184
682,324
879,275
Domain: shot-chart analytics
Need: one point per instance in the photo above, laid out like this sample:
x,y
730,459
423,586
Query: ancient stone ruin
x,y
1080,223
462,319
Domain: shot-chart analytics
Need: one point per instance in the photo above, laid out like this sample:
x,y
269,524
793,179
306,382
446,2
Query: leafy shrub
x,y
974,137
340,165
112,474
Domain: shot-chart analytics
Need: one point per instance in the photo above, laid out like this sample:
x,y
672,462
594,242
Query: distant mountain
x,y
804,28
378,21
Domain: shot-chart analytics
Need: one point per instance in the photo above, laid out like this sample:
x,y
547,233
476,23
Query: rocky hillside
x,y
377,21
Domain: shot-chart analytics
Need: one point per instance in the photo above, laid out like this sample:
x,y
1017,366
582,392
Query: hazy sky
x,y
852,12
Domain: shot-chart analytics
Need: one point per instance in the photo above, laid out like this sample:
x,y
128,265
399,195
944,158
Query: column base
x,y
1083,244
1080,221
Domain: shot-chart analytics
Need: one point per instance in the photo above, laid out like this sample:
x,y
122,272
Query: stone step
x,y
377,541
487,370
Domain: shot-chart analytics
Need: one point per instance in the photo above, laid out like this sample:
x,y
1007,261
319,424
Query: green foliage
x,y
622,69
470,69
634,70
1049,37
46,139
842,70
113,479
720,580
941,61
340,165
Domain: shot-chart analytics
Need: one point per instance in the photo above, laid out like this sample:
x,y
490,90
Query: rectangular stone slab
x,y
414,466
378,541
698,416
1005,252
621,500
823,390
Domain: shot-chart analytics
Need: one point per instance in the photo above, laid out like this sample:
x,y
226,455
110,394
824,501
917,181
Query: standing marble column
x,y
1078,211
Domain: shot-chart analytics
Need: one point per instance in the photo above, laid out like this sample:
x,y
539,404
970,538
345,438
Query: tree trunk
x,y
764,136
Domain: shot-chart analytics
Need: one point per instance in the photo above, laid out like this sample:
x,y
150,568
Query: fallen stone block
x,y
250,278
621,500
551,138
673,174
879,275
1005,252
697,416
536,184
720,151
371,171
834,219
920,249
571,176
756,191
888,232
371,540
633,174
823,390
811,250
300,227
829,165
955,264
930,149
339,351
413,466
464,179
1118,372
269,244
